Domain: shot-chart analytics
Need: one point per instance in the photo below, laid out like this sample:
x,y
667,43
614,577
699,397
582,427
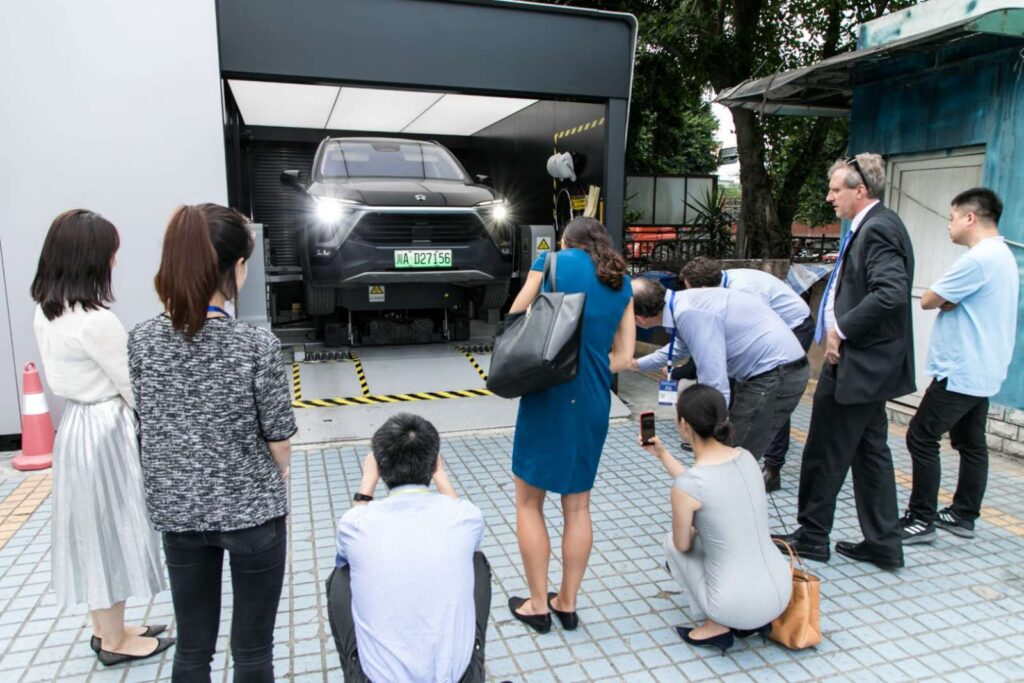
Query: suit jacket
x,y
873,310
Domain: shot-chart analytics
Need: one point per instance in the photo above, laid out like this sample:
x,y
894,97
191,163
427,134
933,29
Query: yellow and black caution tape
x,y
390,398
475,348
579,129
360,374
296,382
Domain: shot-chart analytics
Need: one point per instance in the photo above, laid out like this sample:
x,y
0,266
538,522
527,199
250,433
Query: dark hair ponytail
x,y
201,247
703,408
589,235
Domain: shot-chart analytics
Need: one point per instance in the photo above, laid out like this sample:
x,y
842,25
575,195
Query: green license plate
x,y
423,258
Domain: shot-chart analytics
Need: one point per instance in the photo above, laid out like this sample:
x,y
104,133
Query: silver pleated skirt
x,y
103,547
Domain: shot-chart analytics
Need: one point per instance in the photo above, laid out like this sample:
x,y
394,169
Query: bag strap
x,y
793,557
549,271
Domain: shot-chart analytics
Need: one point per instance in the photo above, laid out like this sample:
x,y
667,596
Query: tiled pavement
x,y
956,612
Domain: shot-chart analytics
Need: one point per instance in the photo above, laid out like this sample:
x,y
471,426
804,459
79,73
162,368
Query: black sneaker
x,y
953,523
913,530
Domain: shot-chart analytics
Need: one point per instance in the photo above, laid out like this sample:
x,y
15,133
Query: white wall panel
x,y
113,106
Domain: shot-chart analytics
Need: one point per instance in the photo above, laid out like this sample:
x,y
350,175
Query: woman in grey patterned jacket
x,y
215,409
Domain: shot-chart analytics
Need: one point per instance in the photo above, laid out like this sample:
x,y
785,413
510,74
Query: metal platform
x,y
348,398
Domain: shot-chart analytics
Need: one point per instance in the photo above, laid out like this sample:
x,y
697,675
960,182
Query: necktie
x,y
819,328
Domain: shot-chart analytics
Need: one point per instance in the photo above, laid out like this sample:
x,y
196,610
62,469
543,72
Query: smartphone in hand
x,y
646,427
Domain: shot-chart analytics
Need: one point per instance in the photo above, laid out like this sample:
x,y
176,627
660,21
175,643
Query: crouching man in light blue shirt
x,y
409,598
971,348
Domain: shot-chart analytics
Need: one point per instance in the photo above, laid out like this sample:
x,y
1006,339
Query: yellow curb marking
x,y
19,505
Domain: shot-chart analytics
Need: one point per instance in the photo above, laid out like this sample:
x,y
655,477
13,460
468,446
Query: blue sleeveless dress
x,y
560,432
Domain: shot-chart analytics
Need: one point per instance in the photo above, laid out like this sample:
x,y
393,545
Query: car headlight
x,y
498,208
330,210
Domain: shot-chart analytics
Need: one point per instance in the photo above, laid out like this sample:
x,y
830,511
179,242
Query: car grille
x,y
398,228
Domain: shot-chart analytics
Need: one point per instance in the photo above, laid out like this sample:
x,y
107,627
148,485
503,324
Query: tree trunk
x,y
760,235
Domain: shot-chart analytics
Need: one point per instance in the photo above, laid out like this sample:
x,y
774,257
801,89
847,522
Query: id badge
x,y
667,389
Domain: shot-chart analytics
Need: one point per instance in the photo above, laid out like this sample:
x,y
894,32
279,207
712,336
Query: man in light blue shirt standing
x,y
730,335
410,595
787,304
971,347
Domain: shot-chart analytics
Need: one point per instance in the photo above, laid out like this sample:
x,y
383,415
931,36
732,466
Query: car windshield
x,y
351,159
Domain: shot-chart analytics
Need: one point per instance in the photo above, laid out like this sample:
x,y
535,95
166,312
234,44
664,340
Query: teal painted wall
x,y
977,103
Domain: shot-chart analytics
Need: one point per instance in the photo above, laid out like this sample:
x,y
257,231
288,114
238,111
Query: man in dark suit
x,y
865,321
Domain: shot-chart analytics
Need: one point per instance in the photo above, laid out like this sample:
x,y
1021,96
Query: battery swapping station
x,y
503,86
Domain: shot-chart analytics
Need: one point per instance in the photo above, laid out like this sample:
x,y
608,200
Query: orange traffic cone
x,y
36,425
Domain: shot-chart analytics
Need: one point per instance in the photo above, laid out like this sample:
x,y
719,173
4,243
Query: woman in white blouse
x,y
103,549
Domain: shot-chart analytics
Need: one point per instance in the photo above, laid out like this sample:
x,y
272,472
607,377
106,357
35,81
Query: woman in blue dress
x,y
560,432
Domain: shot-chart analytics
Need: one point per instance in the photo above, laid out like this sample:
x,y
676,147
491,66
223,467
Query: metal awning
x,y
826,88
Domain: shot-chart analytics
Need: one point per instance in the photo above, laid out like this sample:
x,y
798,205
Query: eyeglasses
x,y
852,162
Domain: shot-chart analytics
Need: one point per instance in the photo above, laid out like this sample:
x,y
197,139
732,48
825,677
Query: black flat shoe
x,y
722,641
112,658
762,631
861,553
150,632
541,623
808,551
569,620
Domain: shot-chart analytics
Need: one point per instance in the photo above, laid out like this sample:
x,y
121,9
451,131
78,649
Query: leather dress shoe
x,y
808,551
861,553
772,477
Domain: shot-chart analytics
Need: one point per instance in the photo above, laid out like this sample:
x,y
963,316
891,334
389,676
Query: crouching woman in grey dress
x,y
720,550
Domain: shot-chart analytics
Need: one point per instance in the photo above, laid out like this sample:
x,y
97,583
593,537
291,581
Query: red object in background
x,y
36,424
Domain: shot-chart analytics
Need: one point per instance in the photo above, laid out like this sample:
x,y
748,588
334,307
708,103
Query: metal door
x,y
920,188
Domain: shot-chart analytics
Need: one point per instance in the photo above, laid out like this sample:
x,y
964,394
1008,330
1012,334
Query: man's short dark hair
x,y
982,202
648,297
406,448
702,272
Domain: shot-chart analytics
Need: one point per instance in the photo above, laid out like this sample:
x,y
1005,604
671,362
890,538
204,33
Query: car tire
x,y
320,300
493,295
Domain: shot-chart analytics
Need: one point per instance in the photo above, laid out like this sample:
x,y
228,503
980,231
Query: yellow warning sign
x,y
542,244
579,203
376,294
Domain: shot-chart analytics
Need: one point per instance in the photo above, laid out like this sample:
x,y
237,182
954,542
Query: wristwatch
x,y
361,498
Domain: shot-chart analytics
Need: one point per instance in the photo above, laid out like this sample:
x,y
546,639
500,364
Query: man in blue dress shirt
x,y
409,598
730,335
787,304
970,350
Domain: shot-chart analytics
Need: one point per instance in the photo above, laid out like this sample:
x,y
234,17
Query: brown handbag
x,y
799,626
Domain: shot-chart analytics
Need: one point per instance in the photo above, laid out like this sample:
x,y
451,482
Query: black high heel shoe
x,y
154,630
541,623
569,620
723,641
762,631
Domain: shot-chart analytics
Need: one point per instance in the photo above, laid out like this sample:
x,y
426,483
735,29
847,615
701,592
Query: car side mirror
x,y
484,180
297,180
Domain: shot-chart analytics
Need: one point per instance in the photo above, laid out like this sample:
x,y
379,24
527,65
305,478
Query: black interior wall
x,y
519,147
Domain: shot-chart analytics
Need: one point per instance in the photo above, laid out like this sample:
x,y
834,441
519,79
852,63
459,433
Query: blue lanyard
x,y
218,309
725,279
672,312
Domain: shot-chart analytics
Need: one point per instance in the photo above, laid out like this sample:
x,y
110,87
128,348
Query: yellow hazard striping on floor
x,y
19,505
472,361
296,382
390,398
360,374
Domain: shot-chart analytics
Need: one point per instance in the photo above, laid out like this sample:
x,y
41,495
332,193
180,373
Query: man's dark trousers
x,y
853,437
762,404
964,417
775,455
339,614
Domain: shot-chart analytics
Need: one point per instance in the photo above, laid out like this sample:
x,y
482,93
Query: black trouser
x,y
194,564
841,438
964,417
762,404
339,614
775,455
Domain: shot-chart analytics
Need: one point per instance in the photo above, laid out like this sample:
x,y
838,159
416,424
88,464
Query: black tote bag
x,y
539,348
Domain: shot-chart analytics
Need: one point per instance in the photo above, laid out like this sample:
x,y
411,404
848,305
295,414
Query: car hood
x,y
403,191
